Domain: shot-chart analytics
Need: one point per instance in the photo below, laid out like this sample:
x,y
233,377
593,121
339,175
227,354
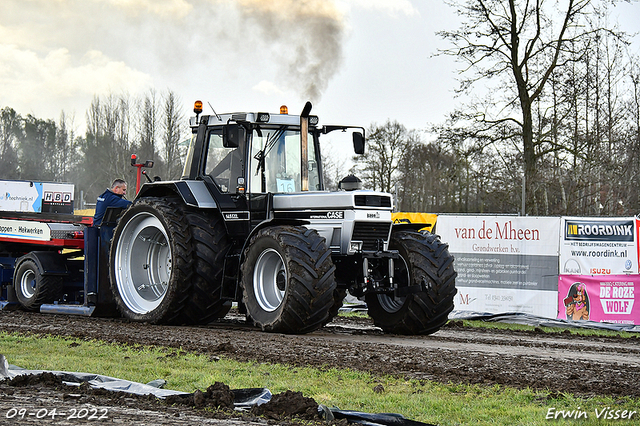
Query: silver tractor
x,y
250,221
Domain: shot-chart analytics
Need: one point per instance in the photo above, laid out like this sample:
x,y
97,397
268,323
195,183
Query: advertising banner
x,y
504,263
20,196
57,198
24,230
36,197
609,298
598,246
637,220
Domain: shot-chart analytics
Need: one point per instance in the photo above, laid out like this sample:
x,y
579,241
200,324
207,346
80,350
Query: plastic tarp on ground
x,y
537,321
520,318
244,398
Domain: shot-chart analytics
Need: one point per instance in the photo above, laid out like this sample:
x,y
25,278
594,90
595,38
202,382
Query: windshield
x,y
275,161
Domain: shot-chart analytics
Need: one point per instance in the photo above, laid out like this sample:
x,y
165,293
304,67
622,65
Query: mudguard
x,y
48,262
194,193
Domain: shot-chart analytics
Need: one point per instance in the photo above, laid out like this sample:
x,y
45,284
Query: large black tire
x,y
211,244
166,263
34,289
338,298
288,280
425,259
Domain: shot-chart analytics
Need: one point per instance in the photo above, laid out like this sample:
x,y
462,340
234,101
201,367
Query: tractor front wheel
x,y
288,280
425,261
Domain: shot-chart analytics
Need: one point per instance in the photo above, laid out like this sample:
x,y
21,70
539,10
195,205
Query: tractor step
x,y
86,311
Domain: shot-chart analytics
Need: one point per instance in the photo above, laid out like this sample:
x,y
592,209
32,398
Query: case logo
x,y
338,214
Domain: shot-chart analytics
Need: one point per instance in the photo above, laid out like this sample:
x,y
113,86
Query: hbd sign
x,y
57,197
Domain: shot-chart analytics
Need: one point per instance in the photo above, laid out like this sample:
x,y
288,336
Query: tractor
x,y
250,222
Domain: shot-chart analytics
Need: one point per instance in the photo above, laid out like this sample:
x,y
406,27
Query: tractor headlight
x,y
355,246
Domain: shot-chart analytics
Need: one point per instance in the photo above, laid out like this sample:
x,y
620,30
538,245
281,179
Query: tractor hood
x,y
333,200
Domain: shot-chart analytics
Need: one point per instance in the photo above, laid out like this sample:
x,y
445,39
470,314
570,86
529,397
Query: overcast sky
x,y
359,61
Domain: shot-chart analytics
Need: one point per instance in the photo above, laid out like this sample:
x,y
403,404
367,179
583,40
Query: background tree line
x,y
551,125
554,118
151,126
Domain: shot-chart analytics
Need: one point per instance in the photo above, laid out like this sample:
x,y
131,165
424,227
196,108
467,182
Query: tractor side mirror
x,y
358,143
233,135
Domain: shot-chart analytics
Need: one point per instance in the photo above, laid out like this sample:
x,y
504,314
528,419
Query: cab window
x,y
223,165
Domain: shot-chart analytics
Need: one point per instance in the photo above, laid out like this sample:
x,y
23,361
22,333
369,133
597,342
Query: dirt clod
x,y
288,404
218,396
45,379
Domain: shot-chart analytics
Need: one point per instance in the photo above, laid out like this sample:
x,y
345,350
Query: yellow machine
x,y
429,219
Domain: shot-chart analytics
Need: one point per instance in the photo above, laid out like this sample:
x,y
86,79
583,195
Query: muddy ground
x,y
556,363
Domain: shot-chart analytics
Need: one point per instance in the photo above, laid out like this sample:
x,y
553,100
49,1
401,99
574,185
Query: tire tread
x,y
308,301
427,311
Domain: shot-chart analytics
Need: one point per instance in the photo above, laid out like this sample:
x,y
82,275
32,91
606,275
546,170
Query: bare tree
x,y
173,132
106,147
37,141
9,127
483,170
379,165
520,43
64,155
148,114
428,177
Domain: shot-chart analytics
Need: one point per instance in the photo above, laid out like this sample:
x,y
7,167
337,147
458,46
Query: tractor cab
x,y
258,153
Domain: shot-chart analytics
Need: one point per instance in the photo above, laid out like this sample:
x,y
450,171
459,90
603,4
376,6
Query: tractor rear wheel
x,y
210,244
288,280
34,289
166,263
425,261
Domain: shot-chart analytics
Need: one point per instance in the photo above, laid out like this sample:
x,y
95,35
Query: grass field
x,y
443,404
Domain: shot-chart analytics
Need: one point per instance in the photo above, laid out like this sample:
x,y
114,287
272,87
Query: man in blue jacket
x,y
96,244
112,197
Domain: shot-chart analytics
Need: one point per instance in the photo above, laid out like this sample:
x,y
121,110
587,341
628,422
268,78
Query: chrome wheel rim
x,y
28,284
269,280
143,263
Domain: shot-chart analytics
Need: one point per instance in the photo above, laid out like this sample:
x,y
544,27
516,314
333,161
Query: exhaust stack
x,y
304,147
